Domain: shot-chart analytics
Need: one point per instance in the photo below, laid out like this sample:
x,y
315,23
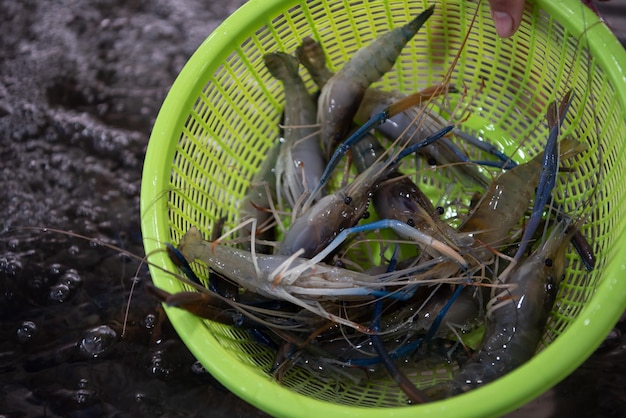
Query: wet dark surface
x,y
80,85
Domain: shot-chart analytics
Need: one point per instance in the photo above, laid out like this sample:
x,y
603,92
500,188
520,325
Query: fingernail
x,y
504,24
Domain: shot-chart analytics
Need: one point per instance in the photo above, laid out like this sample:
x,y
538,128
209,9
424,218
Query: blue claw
x,y
181,262
505,162
440,315
547,180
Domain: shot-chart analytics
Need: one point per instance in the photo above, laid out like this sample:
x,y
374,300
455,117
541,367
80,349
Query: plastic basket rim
x,y
281,401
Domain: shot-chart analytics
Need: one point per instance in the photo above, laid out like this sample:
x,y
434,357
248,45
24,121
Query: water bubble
x,y
159,366
11,266
59,292
73,250
71,279
150,321
198,369
97,341
26,331
82,396
55,269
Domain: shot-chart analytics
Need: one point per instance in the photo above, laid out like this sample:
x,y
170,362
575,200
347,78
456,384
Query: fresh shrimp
x,y
311,55
398,197
320,223
303,282
289,278
300,163
419,121
258,203
341,95
548,173
503,205
251,316
515,325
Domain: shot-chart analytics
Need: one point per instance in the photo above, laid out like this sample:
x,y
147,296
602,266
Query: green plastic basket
x,y
221,116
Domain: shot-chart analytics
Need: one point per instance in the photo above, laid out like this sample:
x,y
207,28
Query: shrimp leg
x,y
258,201
360,133
400,228
414,394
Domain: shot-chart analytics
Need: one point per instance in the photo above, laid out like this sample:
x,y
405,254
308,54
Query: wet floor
x,y
80,85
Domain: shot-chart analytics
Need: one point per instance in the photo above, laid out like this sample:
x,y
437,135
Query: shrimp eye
x,y
439,210
410,222
366,214
548,262
432,161
347,200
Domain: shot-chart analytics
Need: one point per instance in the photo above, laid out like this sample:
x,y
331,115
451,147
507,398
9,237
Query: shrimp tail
x,y
312,57
281,66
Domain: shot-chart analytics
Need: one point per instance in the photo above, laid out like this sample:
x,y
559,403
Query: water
x,y
80,86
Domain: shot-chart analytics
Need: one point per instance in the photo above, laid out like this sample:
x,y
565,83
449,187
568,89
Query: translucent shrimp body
x,y
258,200
300,163
509,196
341,95
514,329
322,222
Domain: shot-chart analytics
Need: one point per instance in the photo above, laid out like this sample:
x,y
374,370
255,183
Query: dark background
x,y
81,83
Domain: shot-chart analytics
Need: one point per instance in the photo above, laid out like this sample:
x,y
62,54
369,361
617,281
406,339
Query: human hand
x,y
507,15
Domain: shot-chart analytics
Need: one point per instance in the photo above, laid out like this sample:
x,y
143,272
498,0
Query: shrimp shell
x,y
342,93
300,163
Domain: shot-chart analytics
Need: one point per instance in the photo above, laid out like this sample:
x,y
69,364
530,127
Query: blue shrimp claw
x,y
181,262
547,179
505,163
356,137
405,384
440,315
400,228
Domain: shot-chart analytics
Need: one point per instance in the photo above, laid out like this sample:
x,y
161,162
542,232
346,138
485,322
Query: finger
x,y
507,15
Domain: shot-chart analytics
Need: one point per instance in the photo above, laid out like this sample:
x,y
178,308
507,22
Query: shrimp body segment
x,y
321,223
515,328
509,196
300,162
342,94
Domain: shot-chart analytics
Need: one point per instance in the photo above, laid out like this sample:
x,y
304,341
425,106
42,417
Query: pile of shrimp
x,y
343,265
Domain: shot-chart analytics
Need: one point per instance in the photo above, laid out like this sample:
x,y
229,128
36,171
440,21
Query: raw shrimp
x,y
287,278
548,173
257,204
320,223
398,197
508,198
342,93
300,163
514,328
414,122
251,316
